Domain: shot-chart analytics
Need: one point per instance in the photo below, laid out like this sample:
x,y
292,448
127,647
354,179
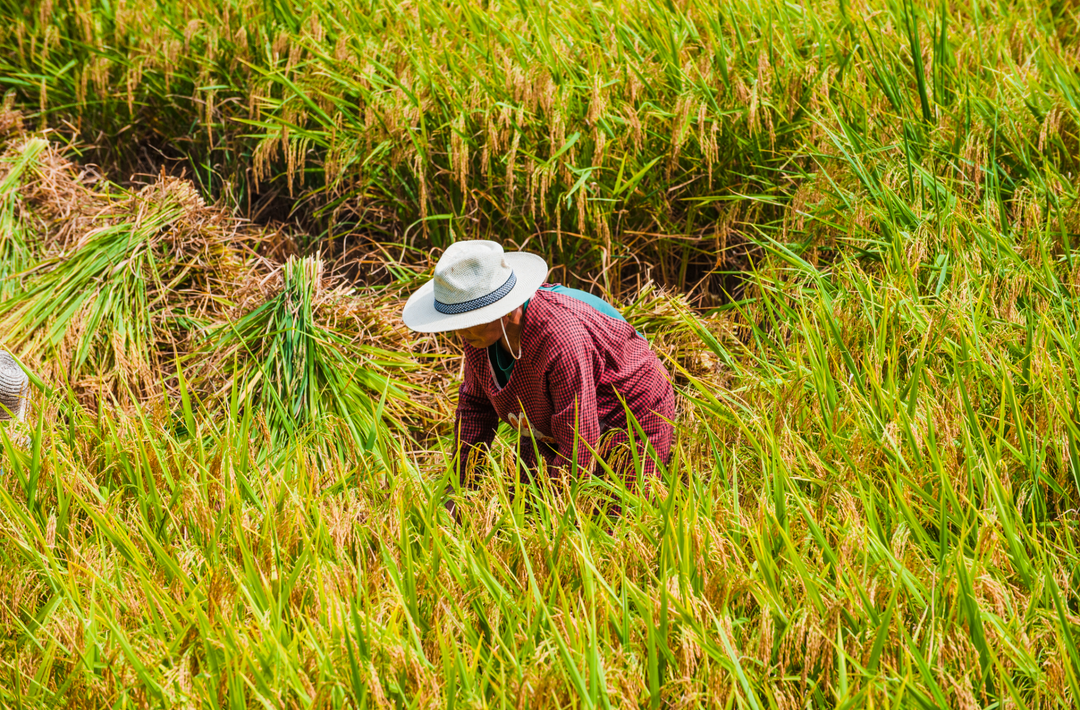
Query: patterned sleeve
x,y
474,425
571,379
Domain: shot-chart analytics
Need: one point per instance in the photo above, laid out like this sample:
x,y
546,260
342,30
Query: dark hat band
x,y
452,309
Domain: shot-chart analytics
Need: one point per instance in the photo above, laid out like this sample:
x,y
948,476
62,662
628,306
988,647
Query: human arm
x,y
475,424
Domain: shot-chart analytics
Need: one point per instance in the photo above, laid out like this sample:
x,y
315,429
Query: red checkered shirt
x,y
575,365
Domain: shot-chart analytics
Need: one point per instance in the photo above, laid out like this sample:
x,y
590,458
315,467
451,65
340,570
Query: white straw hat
x,y
14,388
475,282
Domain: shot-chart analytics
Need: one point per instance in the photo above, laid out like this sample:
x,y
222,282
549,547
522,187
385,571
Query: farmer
x,y
551,361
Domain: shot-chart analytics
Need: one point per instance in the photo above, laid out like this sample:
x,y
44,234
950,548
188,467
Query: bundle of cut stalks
x,y
109,289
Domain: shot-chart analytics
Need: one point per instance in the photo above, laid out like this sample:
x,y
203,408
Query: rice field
x,y
847,229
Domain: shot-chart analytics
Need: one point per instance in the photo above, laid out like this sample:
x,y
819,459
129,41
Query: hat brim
x,y
420,314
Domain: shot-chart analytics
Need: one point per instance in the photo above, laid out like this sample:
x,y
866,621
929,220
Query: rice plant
x,y
611,135
15,250
872,498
